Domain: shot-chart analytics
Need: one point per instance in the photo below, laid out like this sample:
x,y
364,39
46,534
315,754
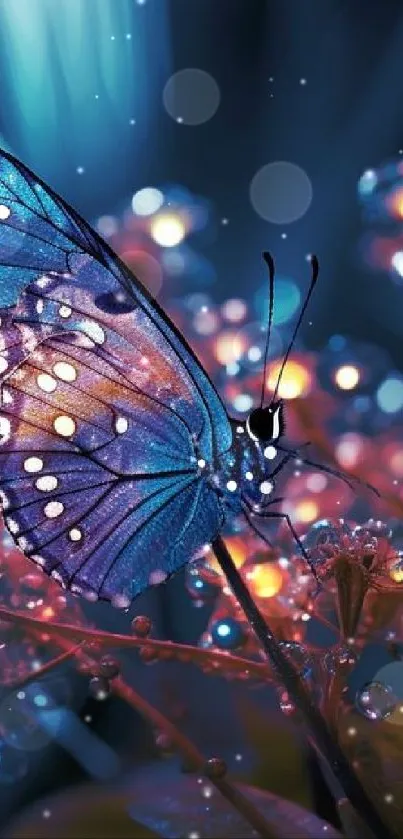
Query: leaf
x,y
280,761
158,801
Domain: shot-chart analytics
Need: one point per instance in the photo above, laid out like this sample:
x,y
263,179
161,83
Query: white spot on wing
x,y
33,464
75,534
121,425
64,425
5,212
94,331
12,525
39,307
46,483
65,371
3,364
64,311
46,383
5,429
53,509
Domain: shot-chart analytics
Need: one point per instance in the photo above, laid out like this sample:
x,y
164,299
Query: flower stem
x,y
316,724
193,757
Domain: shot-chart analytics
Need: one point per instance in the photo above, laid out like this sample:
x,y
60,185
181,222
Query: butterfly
x,y
118,459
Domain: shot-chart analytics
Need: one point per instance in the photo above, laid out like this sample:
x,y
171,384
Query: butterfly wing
x,y
101,493
139,407
73,281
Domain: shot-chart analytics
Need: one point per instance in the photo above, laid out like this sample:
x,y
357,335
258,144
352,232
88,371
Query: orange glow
x,y
396,462
229,347
48,613
395,203
237,550
307,511
266,580
295,379
396,573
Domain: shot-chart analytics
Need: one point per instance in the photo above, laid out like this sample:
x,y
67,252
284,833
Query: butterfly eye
x,y
117,303
265,424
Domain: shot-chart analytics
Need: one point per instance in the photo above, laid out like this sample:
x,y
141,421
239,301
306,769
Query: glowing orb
x,y
397,262
229,347
147,201
295,379
266,580
167,230
307,511
389,395
347,377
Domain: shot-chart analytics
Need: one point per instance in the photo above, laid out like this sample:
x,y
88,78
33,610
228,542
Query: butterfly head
x,y
266,425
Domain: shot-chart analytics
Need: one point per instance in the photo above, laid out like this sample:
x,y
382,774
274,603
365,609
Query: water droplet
x,y
376,701
215,768
141,626
339,657
109,667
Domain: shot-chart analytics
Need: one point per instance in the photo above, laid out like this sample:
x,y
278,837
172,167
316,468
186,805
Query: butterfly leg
x,y
256,529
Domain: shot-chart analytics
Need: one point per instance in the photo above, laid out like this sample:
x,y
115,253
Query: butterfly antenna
x,y
314,277
270,264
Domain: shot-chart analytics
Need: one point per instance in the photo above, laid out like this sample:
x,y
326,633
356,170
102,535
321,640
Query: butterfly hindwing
x,y
79,492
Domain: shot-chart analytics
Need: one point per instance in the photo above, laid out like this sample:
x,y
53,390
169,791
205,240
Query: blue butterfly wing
x,y
48,248
105,507
135,499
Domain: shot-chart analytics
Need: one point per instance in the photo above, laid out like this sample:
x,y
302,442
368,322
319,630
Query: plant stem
x,y
182,744
316,724
181,652
193,757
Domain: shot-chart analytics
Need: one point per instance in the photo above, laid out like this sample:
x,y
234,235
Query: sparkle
x,y
46,383
201,463
249,476
240,429
266,487
53,509
46,483
232,486
121,425
65,371
270,452
75,534
64,311
80,170
5,212
64,425
33,464
302,81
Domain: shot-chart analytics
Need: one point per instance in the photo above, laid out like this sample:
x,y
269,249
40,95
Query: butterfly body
x,y
118,460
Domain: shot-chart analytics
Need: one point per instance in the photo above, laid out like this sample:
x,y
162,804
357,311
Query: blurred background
x,y
194,135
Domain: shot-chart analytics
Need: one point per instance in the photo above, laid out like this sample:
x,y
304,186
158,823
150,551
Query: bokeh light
x,y
287,301
389,395
147,201
191,96
295,380
281,192
265,580
347,377
167,230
